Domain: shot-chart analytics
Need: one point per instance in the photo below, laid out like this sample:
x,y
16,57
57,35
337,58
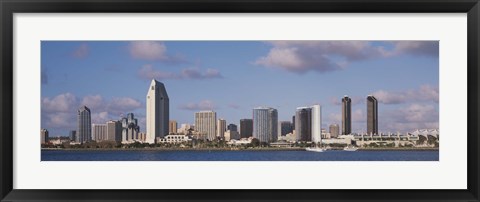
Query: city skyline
x,y
405,81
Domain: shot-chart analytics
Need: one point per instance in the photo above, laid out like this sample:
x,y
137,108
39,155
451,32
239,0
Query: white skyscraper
x,y
221,127
316,123
157,111
205,124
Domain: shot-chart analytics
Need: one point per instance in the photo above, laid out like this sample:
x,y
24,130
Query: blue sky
x,y
232,77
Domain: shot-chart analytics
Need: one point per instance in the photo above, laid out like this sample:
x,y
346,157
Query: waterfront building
x,y
44,136
130,129
184,128
84,124
172,126
114,131
231,135
316,123
372,115
232,127
99,132
293,122
158,108
174,138
346,115
205,124
303,124
334,130
285,128
142,137
221,127
72,134
246,128
265,124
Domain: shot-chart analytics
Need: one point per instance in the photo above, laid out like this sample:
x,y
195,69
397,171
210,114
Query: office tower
x,y
293,122
44,136
205,124
246,128
73,135
346,115
303,124
172,127
232,127
265,124
114,131
84,123
157,111
285,128
372,115
130,128
221,127
99,132
334,130
316,123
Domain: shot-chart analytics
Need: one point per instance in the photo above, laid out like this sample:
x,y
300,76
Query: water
x,y
333,155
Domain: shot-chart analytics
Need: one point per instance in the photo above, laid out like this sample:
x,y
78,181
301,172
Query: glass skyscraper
x,y
265,124
246,128
84,124
372,115
346,115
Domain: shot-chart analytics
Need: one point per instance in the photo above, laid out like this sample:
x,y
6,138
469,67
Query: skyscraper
x,y
84,125
232,127
293,122
221,127
334,130
157,111
43,136
246,128
303,124
172,126
346,115
114,131
285,127
372,115
130,128
265,124
73,134
205,124
99,132
316,123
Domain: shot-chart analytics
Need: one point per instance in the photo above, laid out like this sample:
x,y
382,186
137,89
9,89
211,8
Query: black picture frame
x,y
10,7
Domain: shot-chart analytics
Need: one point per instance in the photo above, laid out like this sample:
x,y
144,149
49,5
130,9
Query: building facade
x,y
346,115
221,127
316,123
372,115
130,129
172,127
232,127
205,124
303,124
99,132
158,109
43,136
334,130
84,125
285,128
246,128
72,134
265,124
114,131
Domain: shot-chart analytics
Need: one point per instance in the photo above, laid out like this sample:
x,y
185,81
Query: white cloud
x,y
92,101
425,93
61,103
203,105
148,50
148,72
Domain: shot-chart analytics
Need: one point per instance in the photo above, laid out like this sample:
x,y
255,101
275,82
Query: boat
x,y
315,149
350,148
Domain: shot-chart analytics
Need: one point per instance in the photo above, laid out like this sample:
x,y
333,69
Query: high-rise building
x,y
316,123
334,130
99,132
231,135
265,124
73,135
172,127
372,115
293,122
285,128
303,124
130,128
221,127
346,115
205,124
43,136
114,131
158,108
232,127
84,124
246,128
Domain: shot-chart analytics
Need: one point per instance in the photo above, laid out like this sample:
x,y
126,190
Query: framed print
x,y
239,101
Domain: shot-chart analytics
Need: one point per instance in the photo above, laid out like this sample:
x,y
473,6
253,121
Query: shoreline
x,y
232,149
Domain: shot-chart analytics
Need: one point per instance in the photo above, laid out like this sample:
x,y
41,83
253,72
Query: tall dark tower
x,y
372,115
346,115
